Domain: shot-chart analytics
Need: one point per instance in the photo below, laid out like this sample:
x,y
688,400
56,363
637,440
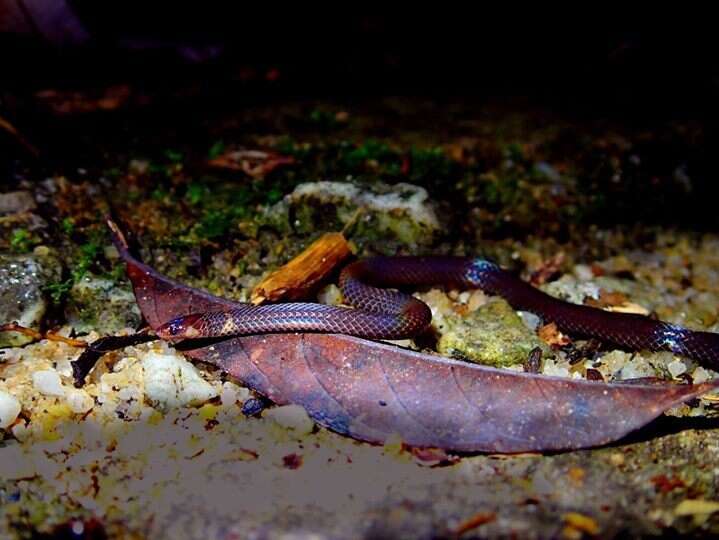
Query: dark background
x,y
670,68
199,64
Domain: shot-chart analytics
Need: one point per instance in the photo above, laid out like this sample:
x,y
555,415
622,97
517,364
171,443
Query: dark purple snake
x,y
384,314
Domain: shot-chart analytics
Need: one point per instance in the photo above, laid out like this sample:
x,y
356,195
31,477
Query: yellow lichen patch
x,y
302,274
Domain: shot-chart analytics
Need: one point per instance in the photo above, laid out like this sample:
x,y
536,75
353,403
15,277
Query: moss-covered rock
x,y
102,305
493,335
382,214
23,279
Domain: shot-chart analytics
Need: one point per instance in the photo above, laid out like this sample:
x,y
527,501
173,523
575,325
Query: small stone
x,y
9,410
676,367
171,381
79,401
292,417
493,335
48,382
22,280
15,202
700,375
101,305
231,394
583,272
330,295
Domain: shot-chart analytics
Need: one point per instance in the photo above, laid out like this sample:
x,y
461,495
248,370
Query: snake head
x,y
180,328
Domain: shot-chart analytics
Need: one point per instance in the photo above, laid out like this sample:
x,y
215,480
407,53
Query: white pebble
x,y
172,381
293,417
700,375
9,409
47,381
231,394
583,272
676,367
79,401
330,295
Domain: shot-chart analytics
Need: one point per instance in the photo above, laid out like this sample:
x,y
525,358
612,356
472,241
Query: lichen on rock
x,y
401,212
102,305
493,335
23,279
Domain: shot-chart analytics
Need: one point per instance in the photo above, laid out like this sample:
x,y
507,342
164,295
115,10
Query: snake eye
x,y
175,327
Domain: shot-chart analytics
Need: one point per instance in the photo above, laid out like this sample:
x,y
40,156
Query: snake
x,y
381,311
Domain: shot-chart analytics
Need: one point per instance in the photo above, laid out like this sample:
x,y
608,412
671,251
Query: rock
x,y
9,409
79,400
400,212
292,417
676,367
171,381
16,202
48,382
22,300
101,305
493,334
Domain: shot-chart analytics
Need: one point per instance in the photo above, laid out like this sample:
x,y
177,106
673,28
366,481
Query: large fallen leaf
x,y
371,391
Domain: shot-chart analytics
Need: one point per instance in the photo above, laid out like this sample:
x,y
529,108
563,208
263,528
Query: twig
x,y
37,336
12,130
89,357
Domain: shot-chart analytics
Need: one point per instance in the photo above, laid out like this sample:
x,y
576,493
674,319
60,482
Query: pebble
x,y
47,382
9,409
292,417
676,367
15,202
171,381
79,401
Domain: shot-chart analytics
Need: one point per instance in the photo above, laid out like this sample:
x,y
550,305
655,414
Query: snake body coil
x,y
384,314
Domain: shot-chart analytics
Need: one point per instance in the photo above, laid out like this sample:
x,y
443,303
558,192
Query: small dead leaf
x,y
72,102
301,275
550,334
548,269
607,299
254,163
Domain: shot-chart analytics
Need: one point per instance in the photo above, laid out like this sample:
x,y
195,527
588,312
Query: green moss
x,y
21,241
216,150
99,304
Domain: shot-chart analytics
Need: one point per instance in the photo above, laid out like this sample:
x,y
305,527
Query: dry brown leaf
x,y
550,334
254,163
547,269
